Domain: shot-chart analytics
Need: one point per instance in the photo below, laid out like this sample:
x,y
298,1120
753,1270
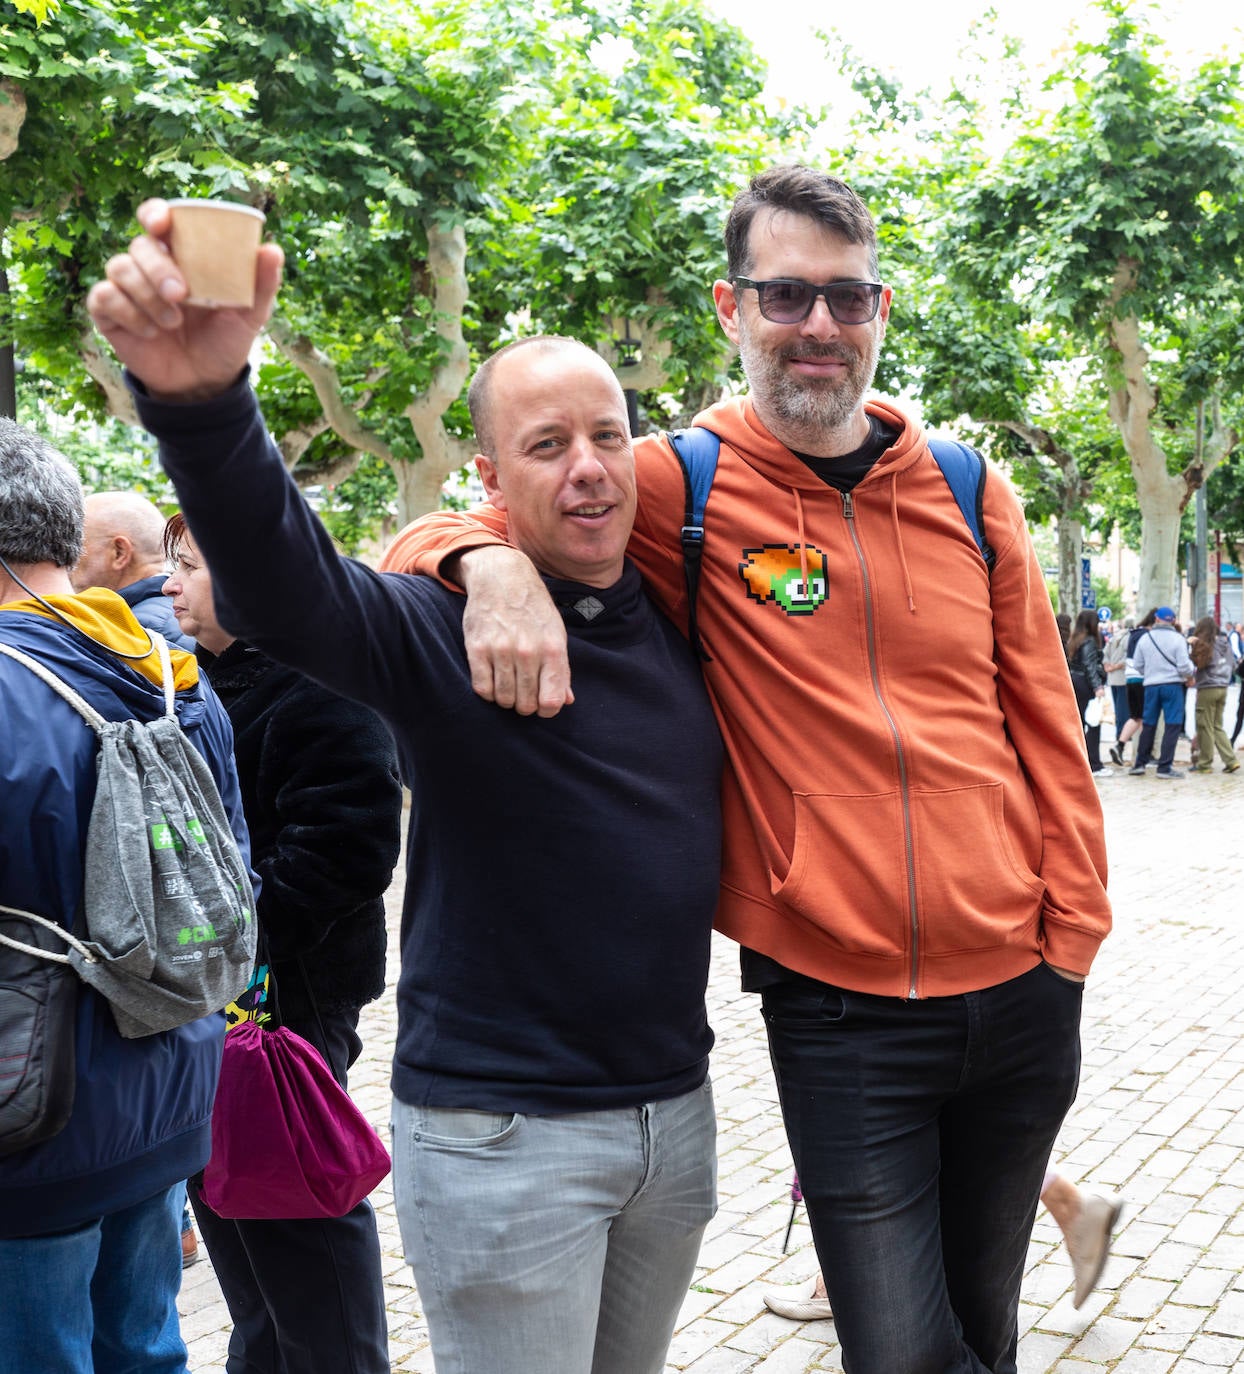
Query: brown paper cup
x,y
214,242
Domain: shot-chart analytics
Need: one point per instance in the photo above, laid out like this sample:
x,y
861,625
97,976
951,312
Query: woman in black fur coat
x,y
323,803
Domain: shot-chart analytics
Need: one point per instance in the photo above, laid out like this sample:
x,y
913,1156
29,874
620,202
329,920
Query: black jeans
x,y
921,1132
1092,733
306,1297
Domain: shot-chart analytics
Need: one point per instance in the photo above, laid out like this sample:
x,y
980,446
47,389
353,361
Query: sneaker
x,y
1102,772
1202,768
1116,756
798,1303
1136,771
1230,768
1169,774
1088,1239
189,1249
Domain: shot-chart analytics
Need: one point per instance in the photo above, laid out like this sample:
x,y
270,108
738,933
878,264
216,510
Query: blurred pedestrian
x,y
1134,683
1088,677
1114,661
1215,662
1162,660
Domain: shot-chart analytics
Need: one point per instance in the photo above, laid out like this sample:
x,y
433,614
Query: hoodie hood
x,y
103,652
736,421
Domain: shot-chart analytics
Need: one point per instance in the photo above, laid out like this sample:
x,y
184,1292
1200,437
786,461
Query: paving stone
x,y
1160,1119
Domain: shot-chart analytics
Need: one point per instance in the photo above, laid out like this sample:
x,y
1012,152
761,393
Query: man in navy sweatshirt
x,y
554,1160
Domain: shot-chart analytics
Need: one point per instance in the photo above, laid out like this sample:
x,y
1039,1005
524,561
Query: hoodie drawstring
x,y
898,539
803,547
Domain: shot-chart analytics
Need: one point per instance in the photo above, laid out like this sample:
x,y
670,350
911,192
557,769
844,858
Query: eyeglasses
x,y
785,301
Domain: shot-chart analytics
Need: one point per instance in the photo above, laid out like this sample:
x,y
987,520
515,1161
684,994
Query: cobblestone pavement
x,y
1160,1117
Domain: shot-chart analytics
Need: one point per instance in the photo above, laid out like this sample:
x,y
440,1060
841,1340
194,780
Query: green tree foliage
x,y
440,176
1111,223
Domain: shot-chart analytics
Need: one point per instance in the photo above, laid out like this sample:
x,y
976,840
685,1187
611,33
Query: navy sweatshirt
x,y
562,873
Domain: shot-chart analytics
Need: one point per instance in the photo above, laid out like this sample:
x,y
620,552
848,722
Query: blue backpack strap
x,y
696,450
964,470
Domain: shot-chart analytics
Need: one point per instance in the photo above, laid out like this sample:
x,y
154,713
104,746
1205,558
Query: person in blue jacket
x,y
90,1253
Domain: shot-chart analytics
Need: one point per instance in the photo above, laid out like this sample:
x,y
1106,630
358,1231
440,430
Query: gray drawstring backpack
x,y
168,931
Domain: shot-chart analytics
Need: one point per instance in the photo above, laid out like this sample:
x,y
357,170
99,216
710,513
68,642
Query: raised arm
x,y
277,579
181,352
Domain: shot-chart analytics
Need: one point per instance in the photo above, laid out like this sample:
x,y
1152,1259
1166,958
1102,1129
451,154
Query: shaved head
x,y
122,541
479,396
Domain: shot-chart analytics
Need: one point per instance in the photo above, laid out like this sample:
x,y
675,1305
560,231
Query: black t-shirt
x,y
844,474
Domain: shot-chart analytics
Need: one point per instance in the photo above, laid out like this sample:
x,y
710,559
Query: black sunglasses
x,y
785,301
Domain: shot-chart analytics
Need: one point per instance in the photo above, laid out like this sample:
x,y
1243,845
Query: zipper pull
x,y
848,505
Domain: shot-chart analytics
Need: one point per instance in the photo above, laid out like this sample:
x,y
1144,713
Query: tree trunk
x,y
8,363
1160,494
1070,551
1162,509
419,487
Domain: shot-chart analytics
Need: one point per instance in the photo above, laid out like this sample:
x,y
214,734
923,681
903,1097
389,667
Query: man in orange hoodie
x,y
914,859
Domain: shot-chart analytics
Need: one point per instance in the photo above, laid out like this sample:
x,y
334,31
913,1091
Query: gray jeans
x,y
554,1244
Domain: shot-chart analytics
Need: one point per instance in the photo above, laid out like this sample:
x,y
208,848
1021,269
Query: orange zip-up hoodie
x,y
907,802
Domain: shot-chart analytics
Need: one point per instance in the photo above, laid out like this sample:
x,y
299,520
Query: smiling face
x,y
807,380
561,466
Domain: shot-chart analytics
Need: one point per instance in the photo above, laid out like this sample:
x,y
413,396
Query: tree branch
x,y
103,368
447,268
320,371
12,117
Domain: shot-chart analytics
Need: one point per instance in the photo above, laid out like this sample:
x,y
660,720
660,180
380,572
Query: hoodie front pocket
x,y
848,871
974,892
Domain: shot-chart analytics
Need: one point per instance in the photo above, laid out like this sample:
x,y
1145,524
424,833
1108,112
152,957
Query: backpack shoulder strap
x,y
696,450
964,470
61,688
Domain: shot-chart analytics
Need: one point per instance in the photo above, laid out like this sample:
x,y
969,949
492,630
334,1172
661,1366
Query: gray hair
x,y
40,501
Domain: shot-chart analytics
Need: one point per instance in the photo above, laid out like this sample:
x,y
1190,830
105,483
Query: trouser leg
x,y
1170,740
135,1286
507,1223
891,1107
46,1321
996,1139
655,1240
306,1296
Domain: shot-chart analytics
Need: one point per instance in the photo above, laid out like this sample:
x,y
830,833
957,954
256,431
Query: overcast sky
x,y
920,42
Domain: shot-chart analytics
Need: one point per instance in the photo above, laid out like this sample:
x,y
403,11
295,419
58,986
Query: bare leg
x,y
1086,1220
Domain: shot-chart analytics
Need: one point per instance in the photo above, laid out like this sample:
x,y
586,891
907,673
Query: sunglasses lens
x,y
790,302
786,302
853,302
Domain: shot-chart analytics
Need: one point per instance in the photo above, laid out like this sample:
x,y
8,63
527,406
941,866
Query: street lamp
x,y
630,354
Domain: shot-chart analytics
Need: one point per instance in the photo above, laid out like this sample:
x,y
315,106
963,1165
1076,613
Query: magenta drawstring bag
x,y
288,1141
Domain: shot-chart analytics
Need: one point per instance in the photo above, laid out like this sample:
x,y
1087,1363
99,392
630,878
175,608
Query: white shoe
x,y
1102,772
797,1302
1088,1240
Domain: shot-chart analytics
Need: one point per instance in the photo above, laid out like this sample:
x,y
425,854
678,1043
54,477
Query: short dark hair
x,y
478,393
40,500
802,191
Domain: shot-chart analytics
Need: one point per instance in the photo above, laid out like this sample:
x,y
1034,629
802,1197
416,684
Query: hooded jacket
x,y
142,1108
907,803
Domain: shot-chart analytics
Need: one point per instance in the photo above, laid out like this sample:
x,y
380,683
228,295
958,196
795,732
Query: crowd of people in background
x,y
1149,669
